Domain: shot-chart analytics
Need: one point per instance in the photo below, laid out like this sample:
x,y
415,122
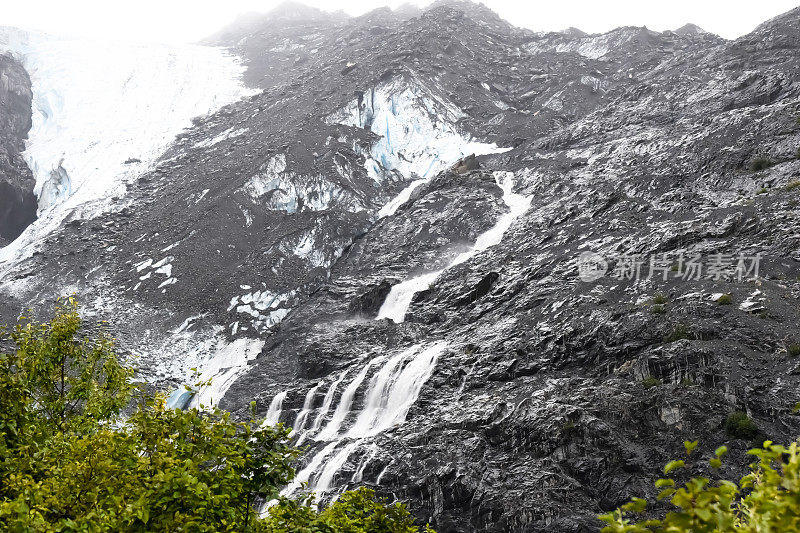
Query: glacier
x,y
103,112
418,131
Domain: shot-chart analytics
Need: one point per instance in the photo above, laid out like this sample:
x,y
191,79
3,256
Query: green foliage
x,y
793,350
659,304
739,426
650,382
569,428
760,163
679,332
70,462
725,299
56,381
794,184
356,511
763,190
765,500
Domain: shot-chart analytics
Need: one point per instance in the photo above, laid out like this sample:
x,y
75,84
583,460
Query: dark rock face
x,y
17,201
465,165
564,385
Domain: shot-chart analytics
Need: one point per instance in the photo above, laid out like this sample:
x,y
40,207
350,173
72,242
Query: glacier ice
x,y
418,133
227,361
278,188
98,105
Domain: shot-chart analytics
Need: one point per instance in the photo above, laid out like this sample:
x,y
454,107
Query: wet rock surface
x,y
17,201
559,394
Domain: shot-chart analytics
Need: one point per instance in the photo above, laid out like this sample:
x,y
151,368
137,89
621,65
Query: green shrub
x,y
725,299
739,426
760,163
793,185
793,350
659,299
763,501
679,332
763,190
69,460
649,382
568,428
658,309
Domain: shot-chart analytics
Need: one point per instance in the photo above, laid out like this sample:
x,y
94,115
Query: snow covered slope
x,y
103,112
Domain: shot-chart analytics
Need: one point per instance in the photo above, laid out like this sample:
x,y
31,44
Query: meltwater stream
x,y
373,400
399,299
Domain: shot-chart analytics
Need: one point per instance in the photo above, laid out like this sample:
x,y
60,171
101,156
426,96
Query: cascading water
x,y
302,416
389,386
326,403
275,408
399,299
345,404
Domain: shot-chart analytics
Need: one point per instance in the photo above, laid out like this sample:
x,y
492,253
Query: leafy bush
x,y
70,462
765,500
739,426
659,304
650,382
760,163
354,512
793,350
679,332
725,299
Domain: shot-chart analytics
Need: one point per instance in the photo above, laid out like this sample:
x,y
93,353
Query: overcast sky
x,y
191,20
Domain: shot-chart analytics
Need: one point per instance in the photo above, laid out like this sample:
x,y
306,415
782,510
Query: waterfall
x,y
344,405
399,299
332,467
389,386
326,406
275,408
402,197
394,389
302,416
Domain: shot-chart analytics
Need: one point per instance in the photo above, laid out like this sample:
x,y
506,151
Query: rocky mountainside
x,y
17,201
509,342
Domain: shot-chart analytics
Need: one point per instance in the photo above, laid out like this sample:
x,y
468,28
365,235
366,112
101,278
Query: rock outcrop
x,y
17,200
